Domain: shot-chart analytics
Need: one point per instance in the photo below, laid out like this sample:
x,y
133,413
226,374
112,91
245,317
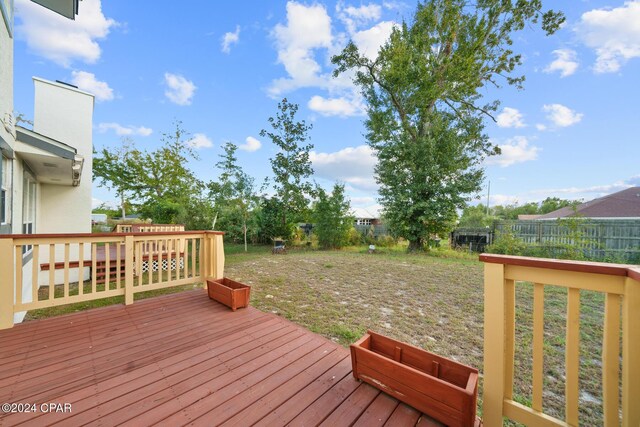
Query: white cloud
x,y
565,62
230,39
502,200
60,39
595,190
541,127
370,41
510,118
352,165
561,116
124,130
614,34
362,201
516,150
88,82
179,90
251,145
308,28
200,140
353,17
341,107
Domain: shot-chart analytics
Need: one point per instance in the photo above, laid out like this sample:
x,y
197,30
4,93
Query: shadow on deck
x,y
185,359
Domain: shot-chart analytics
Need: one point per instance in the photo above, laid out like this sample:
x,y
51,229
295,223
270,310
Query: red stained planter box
x,y
229,292
441,388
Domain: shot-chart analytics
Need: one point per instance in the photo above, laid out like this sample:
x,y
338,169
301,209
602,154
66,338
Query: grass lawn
x,y
435,302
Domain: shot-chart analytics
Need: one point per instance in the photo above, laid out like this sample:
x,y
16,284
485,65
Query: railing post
x,y
128,272
494,344
630,353
218,256
7,289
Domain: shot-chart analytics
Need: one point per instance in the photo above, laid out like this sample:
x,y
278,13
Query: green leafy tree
x,y
159,181
163,174
269,220
551,204
291,165
475,216
424,92
112,171
234,195
332,218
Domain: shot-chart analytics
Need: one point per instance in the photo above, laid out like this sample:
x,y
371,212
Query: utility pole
x,y
488,193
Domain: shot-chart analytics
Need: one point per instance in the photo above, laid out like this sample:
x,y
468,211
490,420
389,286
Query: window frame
x,y
6,169
29,204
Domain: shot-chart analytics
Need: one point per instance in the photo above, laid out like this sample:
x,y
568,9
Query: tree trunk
x,y
244,228
416,245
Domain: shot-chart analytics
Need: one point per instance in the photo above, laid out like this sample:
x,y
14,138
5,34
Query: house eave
x,y
53,162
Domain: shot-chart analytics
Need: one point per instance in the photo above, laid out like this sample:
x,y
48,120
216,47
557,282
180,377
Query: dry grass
x,y
434,303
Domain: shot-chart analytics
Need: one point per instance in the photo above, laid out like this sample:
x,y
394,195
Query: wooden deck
x,y
184,359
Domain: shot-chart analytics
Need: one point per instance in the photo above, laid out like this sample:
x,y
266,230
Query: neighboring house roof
x,y
370,212
525,216
623,204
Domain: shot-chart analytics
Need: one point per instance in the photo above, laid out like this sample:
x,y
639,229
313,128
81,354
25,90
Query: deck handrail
x,y
621,286
78,267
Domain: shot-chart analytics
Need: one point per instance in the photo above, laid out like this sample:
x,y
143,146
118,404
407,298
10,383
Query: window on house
x,y
28,207
363,222
5,191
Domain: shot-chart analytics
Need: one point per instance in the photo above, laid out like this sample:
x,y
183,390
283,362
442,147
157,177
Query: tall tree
x,y
112,172
291,165
163,174
159,181
332,218
426,112
233,193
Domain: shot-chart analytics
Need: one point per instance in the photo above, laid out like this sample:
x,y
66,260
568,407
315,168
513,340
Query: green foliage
x,y
111,170
475,217
164,212
507,244
331,217
158,181
291,165
234,198
270,221
424,94
551,204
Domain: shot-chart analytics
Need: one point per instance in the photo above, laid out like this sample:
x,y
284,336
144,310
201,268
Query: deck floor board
x,y
184,359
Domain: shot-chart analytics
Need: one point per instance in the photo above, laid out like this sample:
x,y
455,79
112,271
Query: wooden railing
x,y
147,228
47,270
620,285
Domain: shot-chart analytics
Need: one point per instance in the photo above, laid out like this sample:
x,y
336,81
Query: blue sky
x,y
221,67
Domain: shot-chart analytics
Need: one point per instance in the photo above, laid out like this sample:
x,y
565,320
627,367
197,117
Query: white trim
x,y
8,20
63,86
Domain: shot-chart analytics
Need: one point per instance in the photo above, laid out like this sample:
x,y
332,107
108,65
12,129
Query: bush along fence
x,y
571,238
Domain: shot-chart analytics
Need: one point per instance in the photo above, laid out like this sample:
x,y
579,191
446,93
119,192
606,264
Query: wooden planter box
x,y
229,292
439,387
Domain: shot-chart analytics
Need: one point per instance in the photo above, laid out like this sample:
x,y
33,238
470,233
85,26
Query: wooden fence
x,y
46,270
598,239
620,285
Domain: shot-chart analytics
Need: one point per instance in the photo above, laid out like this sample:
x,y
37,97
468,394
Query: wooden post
x,y
218,256
494,344
128,269
6,283
630,353
205,254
